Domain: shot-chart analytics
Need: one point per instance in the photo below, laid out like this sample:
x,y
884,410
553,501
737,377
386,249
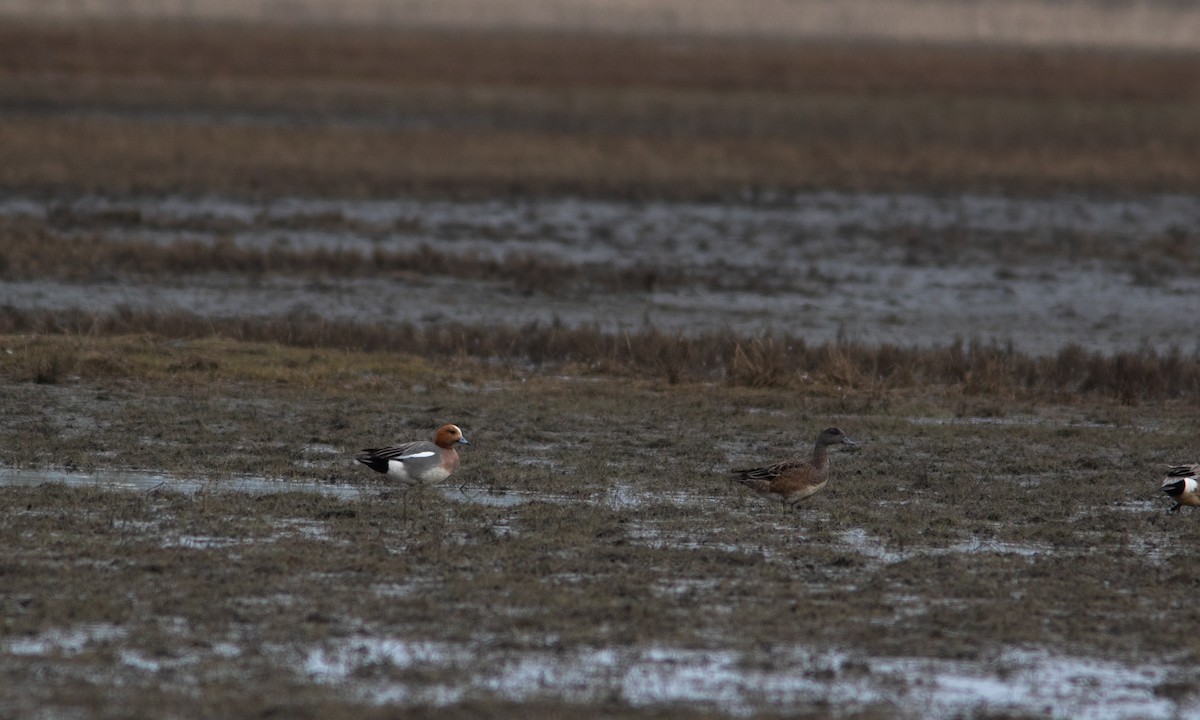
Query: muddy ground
x,y
194,229
977,556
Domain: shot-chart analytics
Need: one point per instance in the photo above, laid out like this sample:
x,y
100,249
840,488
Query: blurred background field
x,y
370,109
1158,24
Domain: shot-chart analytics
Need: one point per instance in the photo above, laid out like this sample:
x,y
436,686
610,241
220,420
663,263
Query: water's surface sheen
x,y
904,268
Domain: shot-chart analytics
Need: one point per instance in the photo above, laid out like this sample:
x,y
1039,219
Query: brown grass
x,y
47,364
974,368
759,362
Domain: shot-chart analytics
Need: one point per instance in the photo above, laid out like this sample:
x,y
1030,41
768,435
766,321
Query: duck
x,y
1181,485
421,462
793,481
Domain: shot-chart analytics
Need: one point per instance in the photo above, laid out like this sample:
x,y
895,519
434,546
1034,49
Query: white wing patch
x,y
414,456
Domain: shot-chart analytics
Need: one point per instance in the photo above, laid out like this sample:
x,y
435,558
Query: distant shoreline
x,y
1131,24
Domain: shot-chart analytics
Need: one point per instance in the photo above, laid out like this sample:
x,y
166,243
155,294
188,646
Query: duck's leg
x,y
1174,508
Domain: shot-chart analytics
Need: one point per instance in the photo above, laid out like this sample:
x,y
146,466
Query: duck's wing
x,y
1181,471
401,452
760,478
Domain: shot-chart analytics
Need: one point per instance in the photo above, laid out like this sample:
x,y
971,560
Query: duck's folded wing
x,y
402,452
1178,471
753,476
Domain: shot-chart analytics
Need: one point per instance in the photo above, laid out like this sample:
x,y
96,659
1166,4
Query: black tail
x,y
1174,489
371,459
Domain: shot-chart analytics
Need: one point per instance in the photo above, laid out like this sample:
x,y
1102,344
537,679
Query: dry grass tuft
x,y
48,363
760,362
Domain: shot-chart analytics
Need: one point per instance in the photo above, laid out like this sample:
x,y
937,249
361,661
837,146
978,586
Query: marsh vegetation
x,y
595,516
211,300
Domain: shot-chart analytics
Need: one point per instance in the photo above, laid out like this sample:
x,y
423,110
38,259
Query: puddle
x,y
138,661
283,528
70,641
1015,421
202,542
145,481
480,495
133,480
1159,504
623,495
855,540
570,222
401,590
684,586
649,534
863,543
1018,681
618,496
390,670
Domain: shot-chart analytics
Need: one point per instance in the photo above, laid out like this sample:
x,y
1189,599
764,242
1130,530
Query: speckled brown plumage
x,y
795,480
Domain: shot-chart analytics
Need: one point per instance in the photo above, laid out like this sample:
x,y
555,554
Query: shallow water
x,y
569,222
904,268
620,496
1017,681
382,668
148,481
871,547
